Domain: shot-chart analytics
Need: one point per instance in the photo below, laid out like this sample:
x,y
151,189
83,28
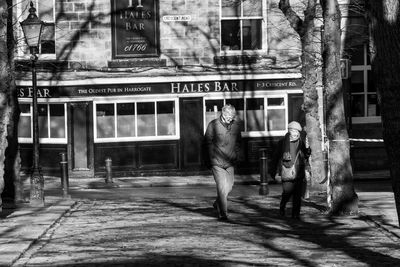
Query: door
x,y
192,130
80,149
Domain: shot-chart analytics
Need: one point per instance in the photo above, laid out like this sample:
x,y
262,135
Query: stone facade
x,y
84,39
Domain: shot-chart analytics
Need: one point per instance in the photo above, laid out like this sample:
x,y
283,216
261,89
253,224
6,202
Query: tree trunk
x,y
344,199
310,67
5,71
385,51
12,188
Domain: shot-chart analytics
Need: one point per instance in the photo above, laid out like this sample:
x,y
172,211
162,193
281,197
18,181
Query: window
x,y
257,115
45,12
52,123
132,121
242,25
364,103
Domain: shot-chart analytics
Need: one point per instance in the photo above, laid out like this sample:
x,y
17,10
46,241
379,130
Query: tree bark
x,y
310,79
385,51
12,182
344,199
4,92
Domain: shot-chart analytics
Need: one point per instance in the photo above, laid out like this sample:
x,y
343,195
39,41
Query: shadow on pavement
x,y
328,233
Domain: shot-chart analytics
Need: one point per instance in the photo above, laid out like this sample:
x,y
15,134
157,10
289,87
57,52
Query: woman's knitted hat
x,y
295,125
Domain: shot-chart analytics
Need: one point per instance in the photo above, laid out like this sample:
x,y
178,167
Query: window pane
x,y
368,56
276,101
251,34
165,118
146,119
230,34
213,109
357,29
255,114
373,107
239,106
24,126
126,120
25,108
42,118
357,81
105,120
57,121
357,55
47,43
276,119
357,105
252,8
231,8
371,83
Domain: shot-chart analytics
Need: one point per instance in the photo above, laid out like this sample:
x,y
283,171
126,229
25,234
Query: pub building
x,y
138,81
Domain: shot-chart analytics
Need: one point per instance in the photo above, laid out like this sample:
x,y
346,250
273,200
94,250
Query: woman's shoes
x,y
282,212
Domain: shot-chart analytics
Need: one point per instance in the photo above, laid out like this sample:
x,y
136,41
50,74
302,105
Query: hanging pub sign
x,y
134,26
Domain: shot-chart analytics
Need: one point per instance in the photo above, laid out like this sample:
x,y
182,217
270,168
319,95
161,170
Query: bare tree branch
x,y
295,21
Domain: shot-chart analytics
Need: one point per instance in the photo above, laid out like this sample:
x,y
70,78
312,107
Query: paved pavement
x,y
156,221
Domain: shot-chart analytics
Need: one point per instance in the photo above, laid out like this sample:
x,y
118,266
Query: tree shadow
x,y
324,232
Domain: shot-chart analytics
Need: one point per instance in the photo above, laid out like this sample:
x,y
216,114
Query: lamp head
x,y
32,27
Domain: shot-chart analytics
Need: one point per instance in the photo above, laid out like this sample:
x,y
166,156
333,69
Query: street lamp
x,y
32,27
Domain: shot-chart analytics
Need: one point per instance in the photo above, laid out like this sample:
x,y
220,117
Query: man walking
x,y
223,137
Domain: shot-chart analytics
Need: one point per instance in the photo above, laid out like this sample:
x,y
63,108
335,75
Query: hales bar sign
x,y
134,28
161,88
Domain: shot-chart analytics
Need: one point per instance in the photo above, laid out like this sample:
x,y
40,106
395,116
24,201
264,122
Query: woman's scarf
x,y
287,156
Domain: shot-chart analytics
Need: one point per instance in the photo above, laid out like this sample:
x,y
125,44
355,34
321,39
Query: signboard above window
x,y
134,28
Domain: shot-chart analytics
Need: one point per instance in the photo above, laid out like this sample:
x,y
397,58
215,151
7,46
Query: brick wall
x,y
83,32
192,42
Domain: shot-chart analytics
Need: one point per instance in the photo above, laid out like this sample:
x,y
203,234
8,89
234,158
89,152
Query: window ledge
x,y
360,120
23,64
137,63
234,60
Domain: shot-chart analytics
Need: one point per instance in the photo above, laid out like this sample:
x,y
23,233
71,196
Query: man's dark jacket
x,y
223,143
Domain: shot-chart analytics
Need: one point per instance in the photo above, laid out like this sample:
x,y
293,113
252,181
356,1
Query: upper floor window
x,y
45,12
242,25
364,100
364,106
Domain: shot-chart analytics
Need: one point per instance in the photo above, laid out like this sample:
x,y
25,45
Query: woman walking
x,y
289,161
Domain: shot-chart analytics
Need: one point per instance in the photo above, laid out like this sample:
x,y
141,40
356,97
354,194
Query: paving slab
x,y
24,225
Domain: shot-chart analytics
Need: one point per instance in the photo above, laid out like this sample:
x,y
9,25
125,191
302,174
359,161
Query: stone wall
x,y
83,34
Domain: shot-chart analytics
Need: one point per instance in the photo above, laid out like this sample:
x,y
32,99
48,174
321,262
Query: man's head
x,y
228,113
294,129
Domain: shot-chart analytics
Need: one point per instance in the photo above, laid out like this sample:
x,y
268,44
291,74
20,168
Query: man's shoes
x,y
220,217
216,207
223,218
296,217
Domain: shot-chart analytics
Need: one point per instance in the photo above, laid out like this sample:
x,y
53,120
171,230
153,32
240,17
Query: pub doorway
x,y
191,127
80,145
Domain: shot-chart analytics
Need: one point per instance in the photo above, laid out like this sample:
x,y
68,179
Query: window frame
x,y
23,52
365,68
262,18
45,140
246,95
156,137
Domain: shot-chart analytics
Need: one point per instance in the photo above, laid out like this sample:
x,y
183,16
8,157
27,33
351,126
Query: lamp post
x,y
32,27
